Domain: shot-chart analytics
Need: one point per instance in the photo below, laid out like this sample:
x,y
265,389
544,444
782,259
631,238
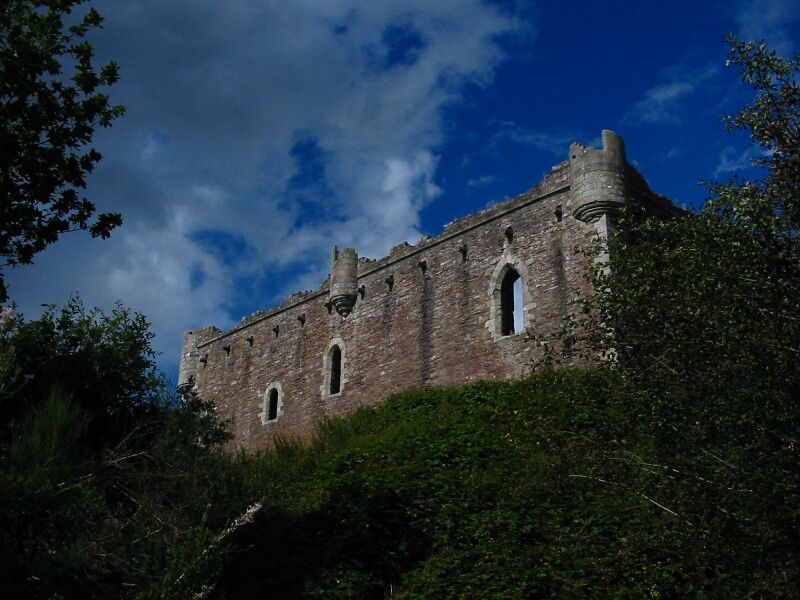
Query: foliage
x,y
104,475
699,317
770,207
553,487
105,361
46,122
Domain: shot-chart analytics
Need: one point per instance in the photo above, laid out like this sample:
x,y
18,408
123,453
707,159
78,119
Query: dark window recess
x,y
559,213
507,302
204,360
423,266
362,291
272,413
302,319
227,350
509,234
329,306
389,281
250,341
463,251
336,370
276,330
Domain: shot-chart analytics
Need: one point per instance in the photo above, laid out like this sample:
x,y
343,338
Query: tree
x,y
105,474
50,104
712,300
771,207
105,361
700,317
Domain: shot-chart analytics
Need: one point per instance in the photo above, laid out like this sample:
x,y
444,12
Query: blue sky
x,y
259,133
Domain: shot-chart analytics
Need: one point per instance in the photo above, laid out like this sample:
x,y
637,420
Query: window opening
x,y
510,234
511,304
463,251
423,266
336,370
519,306
302,319
276,330
272,411
559,213
389,281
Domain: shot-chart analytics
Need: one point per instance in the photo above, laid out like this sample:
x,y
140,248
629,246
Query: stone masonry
x,y
426,315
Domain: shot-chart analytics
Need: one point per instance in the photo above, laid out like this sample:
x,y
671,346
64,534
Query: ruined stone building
x,y
453,309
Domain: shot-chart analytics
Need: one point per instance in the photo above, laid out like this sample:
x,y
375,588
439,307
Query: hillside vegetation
x,y
554,487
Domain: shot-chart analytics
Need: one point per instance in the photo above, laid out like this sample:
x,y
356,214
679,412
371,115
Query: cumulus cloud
x,y
257,135
662,103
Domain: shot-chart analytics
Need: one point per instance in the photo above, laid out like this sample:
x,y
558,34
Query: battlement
x,y
451,309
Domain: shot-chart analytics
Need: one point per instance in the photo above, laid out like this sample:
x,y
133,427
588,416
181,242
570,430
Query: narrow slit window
x,y
272,409
511,304
336,370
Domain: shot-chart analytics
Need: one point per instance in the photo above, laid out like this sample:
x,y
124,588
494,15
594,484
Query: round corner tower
x,y
597,178
190,357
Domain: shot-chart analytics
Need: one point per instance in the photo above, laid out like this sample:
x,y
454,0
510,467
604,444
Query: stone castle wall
x,y
428,314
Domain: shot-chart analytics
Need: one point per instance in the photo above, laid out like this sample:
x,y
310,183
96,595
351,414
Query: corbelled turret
x,y
344,280
598,178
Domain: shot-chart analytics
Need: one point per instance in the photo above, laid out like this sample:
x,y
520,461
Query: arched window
x,y
334,374
336,370
272,409
272,404
509,296
511,303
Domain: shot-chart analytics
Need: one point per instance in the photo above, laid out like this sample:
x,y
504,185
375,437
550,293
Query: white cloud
x,y
230,88
554,144
662,103
151,147
768,20
481,181
733,160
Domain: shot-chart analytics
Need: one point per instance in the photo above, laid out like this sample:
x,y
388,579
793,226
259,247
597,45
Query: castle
x,y
453,309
